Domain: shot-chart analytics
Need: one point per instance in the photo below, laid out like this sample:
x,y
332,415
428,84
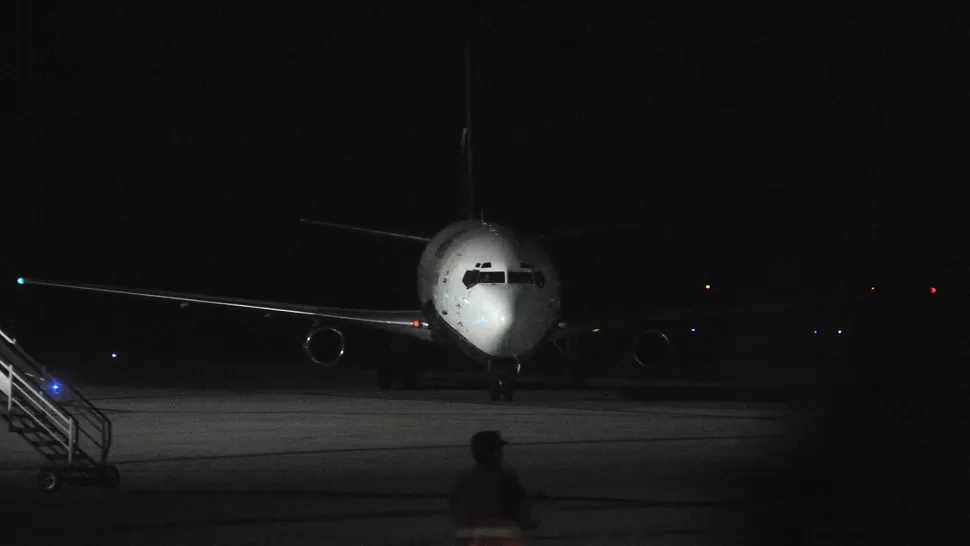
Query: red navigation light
x,y
416,323
932,290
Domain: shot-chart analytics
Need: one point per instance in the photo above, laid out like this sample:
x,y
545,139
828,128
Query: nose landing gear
x,y
500,375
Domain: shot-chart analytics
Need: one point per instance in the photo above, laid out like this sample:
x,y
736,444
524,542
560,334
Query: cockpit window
x,y
486,265
474,276
527,277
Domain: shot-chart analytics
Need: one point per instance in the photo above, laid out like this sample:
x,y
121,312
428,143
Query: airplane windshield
x,y
477,276
474,276
520,277
491,277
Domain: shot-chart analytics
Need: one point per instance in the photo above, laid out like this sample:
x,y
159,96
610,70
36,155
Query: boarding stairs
x,y
56,420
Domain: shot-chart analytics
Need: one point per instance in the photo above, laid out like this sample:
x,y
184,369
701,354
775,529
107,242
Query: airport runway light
x,y
872,289
932,290
693,329
840,332
707,287
114,355
815,332
596,329
20,280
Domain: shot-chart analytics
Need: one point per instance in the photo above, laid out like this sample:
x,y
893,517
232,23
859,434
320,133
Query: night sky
x,y
176,147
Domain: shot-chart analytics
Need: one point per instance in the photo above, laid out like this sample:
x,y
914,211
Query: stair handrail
x,y
61,420
19,383
100,421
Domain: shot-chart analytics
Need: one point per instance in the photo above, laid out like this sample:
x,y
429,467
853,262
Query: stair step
x,y
27,430
47,442
41,422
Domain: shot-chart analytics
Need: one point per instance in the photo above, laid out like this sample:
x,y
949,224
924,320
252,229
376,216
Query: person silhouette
x,y
489,505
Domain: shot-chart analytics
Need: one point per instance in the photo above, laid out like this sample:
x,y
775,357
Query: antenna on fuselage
x,y
467,133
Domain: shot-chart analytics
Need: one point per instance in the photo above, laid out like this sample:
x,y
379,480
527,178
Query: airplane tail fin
x,y
368,231
466,134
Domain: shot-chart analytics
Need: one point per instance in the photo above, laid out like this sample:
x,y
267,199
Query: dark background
x,y
771,152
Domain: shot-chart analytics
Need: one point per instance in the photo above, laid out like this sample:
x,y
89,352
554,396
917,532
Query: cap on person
x,y
485,444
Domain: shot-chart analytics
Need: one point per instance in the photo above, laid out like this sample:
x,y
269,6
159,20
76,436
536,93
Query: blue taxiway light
x,y
815,332
55,386
20,280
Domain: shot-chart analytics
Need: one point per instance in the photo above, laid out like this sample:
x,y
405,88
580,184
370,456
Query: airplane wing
x,y
572,326
412,323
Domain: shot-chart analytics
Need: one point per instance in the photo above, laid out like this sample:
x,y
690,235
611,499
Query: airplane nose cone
x,y
524,327
503,316
495,322
530,324
508,322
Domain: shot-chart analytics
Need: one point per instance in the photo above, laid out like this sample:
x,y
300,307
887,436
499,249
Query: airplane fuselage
x,y
498,296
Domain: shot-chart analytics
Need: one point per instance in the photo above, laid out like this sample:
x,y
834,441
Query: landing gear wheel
x,y
49,480
495,389
501,389
111,479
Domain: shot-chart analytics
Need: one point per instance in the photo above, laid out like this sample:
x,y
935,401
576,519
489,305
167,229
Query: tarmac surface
x,y
348,464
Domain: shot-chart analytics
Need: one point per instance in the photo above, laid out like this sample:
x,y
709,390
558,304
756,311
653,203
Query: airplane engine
x,y
324,346
649,347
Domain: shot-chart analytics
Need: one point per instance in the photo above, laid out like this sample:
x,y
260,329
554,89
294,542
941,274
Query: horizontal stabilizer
x,y
366,230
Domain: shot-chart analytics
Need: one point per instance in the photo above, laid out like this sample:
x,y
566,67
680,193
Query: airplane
x,y
482,289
